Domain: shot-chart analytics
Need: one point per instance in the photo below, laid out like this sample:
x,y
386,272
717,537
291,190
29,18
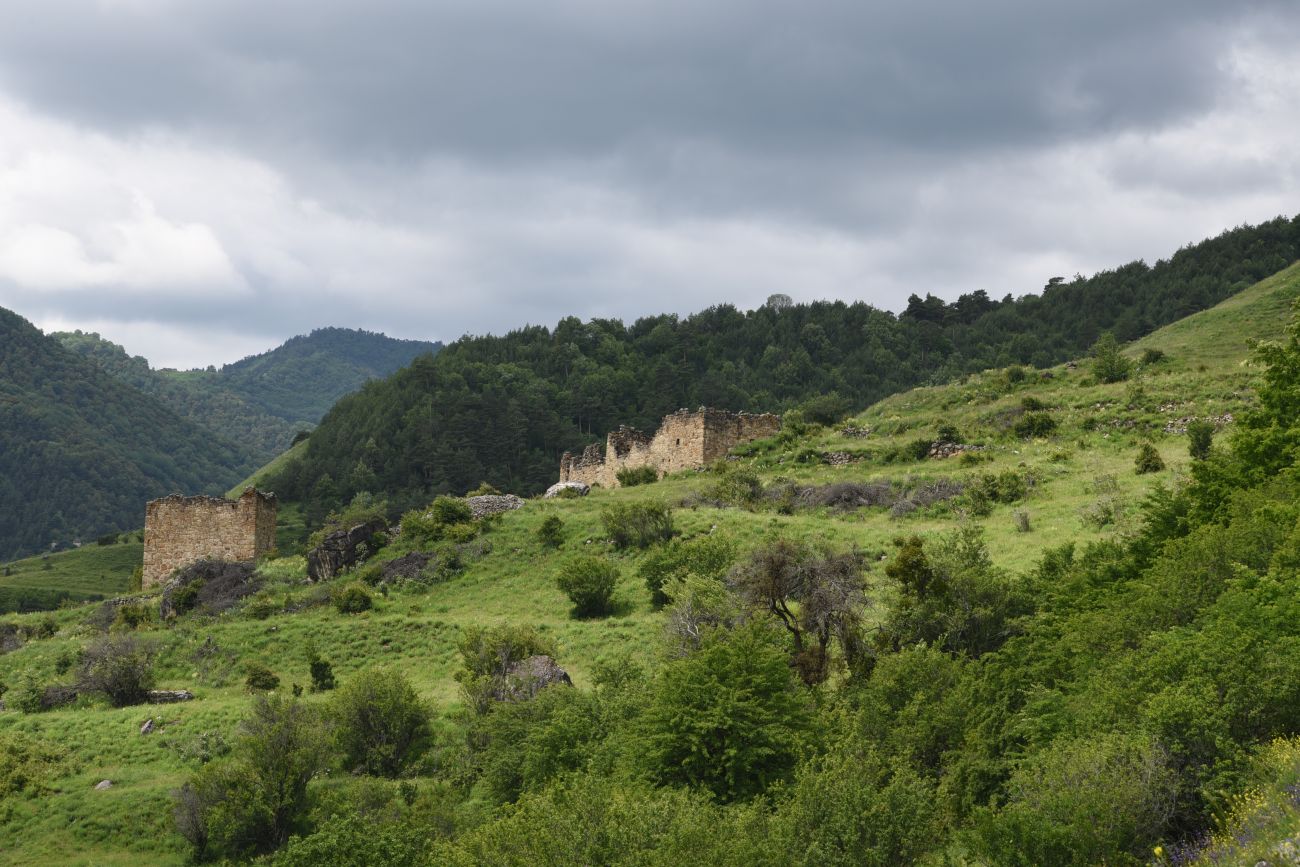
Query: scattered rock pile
x,y
949,450
839,459
169,696
855,433
493,504
1179,425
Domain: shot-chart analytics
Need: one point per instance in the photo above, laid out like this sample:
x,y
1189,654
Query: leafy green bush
x,y
1034,424
706,556
1200,439
120,668
630,477
380,724
363,509
551,532
729,718
322,673
1108,364
1029,403
251,801
487,652
27,764
1148,460
737,487
131,617
918,449
259,677
637,525
441,519
589,583
352,599
1152,356
825,409
948,433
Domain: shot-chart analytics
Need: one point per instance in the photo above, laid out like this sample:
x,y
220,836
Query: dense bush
x,y
444,518
1148,460
729,718
1034,424
706,557
1108,364
630,477
637,525
352,599
1200,439
487,653
589,583
259,677
380,724
120,668
551,532
251,801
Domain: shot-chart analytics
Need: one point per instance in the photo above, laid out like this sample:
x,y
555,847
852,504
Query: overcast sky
x,y
202,179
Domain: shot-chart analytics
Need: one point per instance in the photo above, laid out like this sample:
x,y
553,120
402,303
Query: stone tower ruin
x,y
685,440
181,530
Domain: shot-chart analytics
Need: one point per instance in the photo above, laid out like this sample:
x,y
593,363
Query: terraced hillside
x,y
1037,459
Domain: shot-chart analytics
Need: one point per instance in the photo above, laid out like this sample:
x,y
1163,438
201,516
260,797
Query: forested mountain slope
x,y
503,409
262,401
81,452
1049,649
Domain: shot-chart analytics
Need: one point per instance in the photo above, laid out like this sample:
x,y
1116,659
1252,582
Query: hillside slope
x,y
262,401
503,409
1075,484
80,452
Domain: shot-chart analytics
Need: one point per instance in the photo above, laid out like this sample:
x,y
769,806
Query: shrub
x,y
322,673
484,489
1148,460
729,717
1015,374
259,677
486,656
381,724
1108,364
1029,403
1034,424
918,449
352,599
132,617
737,488
27,696
110,539
551,533
1152,356
120,668
707,557
363,509
948,433
1200,438
637,525
436,521
589,583
1007,486
630,477
250,802
26,764
1021,518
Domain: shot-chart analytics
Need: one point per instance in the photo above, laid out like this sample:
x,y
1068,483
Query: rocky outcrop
x,y
527,677
407,567
948,450
169,696
493,504
559,488
341,549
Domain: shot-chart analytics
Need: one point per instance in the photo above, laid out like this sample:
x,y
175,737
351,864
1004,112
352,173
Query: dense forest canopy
x,y
81,452
503,409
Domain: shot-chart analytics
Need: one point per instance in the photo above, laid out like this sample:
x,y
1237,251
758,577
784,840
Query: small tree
x,y
1148,460
638,525
1200,438
120,668
322,673
589,583
551,532
381,724
1108,364
259,677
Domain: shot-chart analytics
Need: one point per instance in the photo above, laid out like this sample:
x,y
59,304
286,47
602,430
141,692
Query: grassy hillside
x,y
92,571
262,401
1080,486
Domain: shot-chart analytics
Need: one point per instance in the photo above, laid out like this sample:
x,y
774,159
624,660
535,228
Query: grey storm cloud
x,y
220,167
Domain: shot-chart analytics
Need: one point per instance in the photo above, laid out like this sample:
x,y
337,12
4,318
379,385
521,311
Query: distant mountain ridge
x,y
81,451
262,401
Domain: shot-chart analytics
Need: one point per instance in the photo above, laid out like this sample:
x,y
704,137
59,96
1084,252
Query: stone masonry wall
x,y
182,530
685,440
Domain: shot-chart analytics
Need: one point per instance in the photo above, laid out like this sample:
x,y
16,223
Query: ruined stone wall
x,y
685,440
182,530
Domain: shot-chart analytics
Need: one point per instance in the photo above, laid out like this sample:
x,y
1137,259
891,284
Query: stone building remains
x,y
685,440
181,530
